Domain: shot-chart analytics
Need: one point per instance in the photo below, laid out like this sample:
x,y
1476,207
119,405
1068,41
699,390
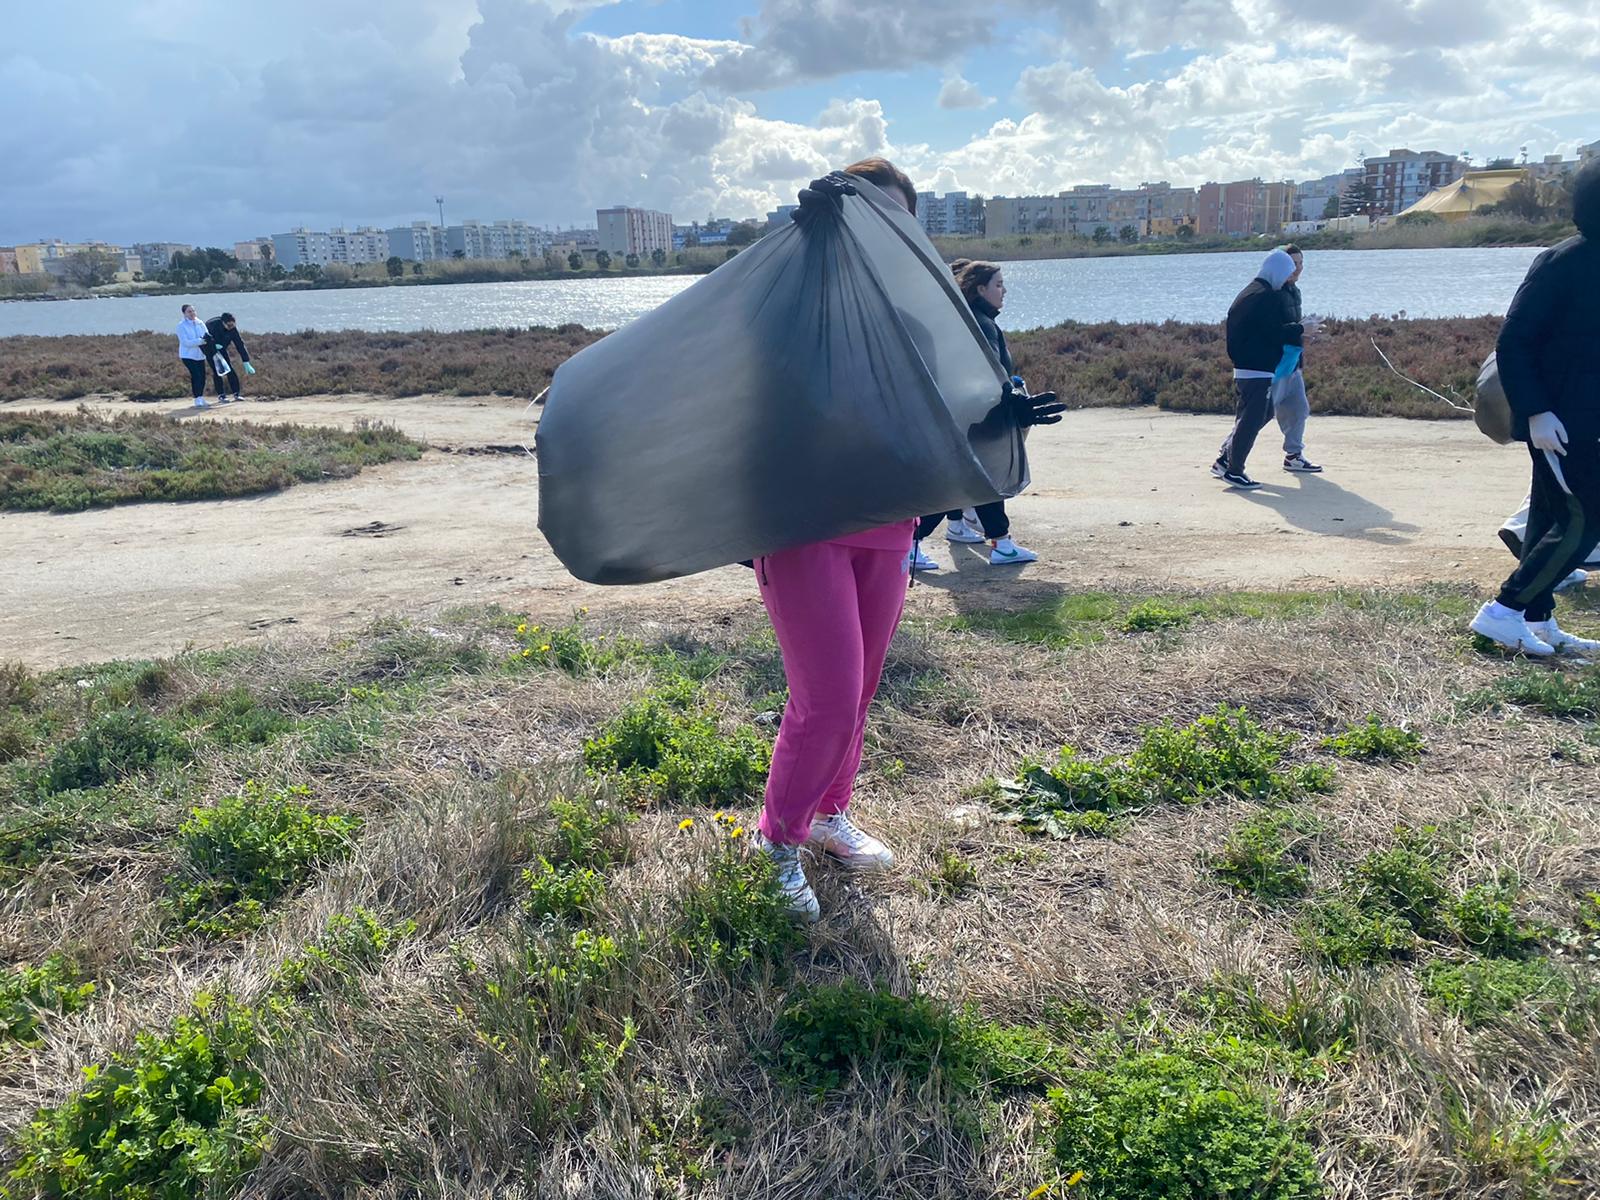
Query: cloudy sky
x,y
194,120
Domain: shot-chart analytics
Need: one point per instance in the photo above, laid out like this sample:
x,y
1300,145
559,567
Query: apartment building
x,y
1402,177
419,241
1311,197
50,257
256,252
8,260
954,214
1151,209
714,231
1244,208
302,247
157,256
623,230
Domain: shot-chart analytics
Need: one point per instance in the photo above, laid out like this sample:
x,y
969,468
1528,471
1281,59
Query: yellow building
x,y
31,259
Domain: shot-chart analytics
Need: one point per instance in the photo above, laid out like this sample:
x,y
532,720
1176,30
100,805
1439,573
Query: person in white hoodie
x,y
191,338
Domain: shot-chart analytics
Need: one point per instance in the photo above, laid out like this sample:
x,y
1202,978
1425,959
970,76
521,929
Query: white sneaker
x,y
1006,551
1509,629
222,400
920,561
1577,579
960,531
1559,639
200,402
792,882
838,836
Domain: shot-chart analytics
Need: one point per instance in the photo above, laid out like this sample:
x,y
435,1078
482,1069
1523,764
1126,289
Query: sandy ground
x,y
1121,497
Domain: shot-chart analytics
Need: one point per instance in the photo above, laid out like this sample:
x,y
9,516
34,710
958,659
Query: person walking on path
x,y
221,333
1289,402
834,606
1264,342
1548,356
192,353
984,287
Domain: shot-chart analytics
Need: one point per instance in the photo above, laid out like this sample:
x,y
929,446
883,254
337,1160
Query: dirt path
x,y
1121,497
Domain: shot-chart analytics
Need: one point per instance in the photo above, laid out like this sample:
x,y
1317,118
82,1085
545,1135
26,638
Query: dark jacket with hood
x,y
222,337
985,314
1549,347
1262,319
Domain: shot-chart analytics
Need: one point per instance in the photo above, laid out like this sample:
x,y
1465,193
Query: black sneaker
x,y
1240,480
1298,462
1219,469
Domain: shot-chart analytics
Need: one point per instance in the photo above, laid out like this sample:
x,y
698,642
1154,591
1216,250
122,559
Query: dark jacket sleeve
x,y
1533,310
239,342
1293,333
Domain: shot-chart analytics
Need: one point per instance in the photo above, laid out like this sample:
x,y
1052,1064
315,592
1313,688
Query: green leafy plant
x,y
562,892
1267,855
359,941
1150,615
668,747
171,1118
1484,990
954,875
247,851
829,1032
1373,741
1345,933
1484,918
238,717
114,745
1556,694
735,917
29,995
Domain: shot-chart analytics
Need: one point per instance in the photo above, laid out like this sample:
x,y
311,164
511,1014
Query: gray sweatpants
x,y
1292,408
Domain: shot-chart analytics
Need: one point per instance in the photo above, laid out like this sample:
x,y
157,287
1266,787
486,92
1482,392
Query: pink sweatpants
x,y
834,609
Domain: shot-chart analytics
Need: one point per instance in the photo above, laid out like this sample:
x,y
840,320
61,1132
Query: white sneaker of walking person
x,y
839,837
1508,628
200,402
1299,462
1560,640
1004,551
792,882
920,561
960,531
1577,579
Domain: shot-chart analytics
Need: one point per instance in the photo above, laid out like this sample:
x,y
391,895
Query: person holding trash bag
x,y
223,332
1264,340
983,286
834,606
192,339
1548,355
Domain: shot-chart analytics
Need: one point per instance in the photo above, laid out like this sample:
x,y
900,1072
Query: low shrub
x,y
1556,694
110,747
829,1032
1373,741
1344,933
735,917
238,717
668,747
30,995
1484,990
171,1118
348,944
1267,855
564,892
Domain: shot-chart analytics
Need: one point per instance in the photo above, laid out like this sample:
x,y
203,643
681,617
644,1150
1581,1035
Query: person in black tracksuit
x,y
223,332
1264,340
1549,361
983,286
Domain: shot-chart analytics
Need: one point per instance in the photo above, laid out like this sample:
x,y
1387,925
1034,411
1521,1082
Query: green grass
x,y
1267,855
67,462
348,944
1373,741
1482,991
1556,694
29,996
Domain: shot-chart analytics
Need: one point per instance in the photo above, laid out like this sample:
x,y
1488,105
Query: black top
x,y
1261,321
1549,347
222,337
986,313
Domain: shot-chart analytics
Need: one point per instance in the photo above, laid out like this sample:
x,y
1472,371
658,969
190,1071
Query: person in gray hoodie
x,y
1548,355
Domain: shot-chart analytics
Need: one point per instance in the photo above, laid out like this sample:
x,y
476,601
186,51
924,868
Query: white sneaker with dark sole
x,y
1577,579
1298,463
840,838
1240,480
792,882
1219,469
1511,632
1560,640
920,561
960,531
1004,552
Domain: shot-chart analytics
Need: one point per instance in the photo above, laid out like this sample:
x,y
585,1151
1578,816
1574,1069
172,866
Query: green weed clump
x,y
113,746
238,717
572,649
1164,1124
829,1032
667,747
1482,991
171,1118
1575,695
735,918
584,837
565,892
249,850
30,995
1373,741
1268,855
67,462
348,944
1150,615
1222,756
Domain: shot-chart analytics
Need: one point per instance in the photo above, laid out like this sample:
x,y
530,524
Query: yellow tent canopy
x,y
1469,193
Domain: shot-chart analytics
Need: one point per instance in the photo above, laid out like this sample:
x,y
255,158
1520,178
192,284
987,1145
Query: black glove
x,y
1043,409
827,192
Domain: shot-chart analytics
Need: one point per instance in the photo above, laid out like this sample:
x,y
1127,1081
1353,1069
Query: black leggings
x,y
197,375
1563,520
232,377
992,517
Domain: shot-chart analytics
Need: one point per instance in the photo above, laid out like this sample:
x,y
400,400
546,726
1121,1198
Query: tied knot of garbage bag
x,y
823,195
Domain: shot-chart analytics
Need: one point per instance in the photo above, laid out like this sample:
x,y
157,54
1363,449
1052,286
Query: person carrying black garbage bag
x,y
1264,341
222,332
1548,355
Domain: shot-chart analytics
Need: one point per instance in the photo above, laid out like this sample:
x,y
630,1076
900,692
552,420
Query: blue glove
x,y
1286,364
248,369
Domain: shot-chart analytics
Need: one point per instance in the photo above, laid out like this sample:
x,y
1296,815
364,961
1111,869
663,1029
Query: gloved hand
x,y
1043,409
248,369
822,193
1546,432
1286,364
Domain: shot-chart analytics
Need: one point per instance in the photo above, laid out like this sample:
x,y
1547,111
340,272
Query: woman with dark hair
x,y
984,287
191,352
834,606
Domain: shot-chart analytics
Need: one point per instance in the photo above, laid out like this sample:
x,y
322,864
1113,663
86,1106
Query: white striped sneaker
x,y
792,882
855,848
1560,640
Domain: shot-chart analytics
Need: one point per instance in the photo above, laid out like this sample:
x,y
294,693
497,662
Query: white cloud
x,y
957,92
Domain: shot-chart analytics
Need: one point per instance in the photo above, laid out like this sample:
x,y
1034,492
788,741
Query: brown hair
x,y
973,275
957,263
886,175
1291,248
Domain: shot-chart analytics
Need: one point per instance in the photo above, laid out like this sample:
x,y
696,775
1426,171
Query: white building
x,y
954,214
417,242
357,246
638,231
301,247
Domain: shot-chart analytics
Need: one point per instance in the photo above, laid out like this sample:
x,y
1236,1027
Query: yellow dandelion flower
x,y
717,816
523,627
584,610
1038,1191
686,824
736,831
525,653
545,649
1077,1178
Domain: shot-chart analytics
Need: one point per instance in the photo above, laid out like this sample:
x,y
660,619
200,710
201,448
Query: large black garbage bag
x,y
827,380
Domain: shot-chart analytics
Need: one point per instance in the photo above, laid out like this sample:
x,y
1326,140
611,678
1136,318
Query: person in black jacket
x,y
1264,340
1549,361
222,332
